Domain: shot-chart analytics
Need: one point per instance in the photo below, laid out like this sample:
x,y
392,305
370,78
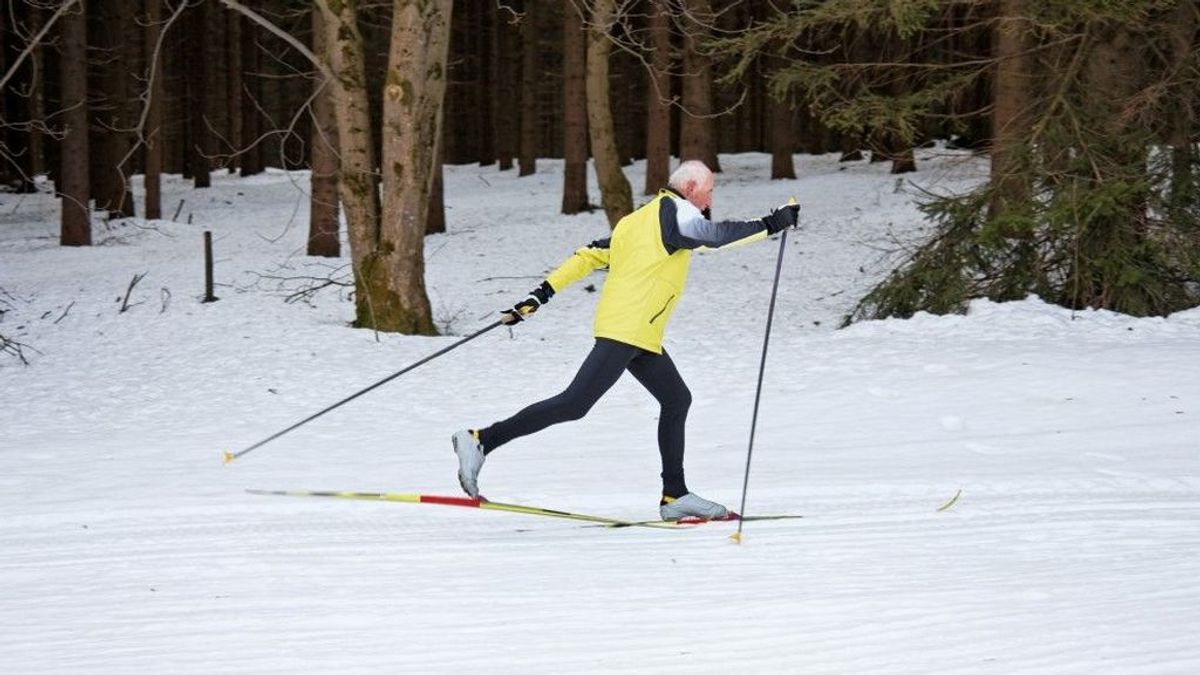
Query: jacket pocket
x,y
664,308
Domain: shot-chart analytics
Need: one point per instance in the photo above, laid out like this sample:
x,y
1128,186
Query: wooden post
x,y
208,268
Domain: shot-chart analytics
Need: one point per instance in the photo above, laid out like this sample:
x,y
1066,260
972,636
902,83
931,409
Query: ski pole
x,y
230,456
762,365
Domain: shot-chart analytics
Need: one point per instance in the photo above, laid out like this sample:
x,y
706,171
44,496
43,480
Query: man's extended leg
x,y
599,372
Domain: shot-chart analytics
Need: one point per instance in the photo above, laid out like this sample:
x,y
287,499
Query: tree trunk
x,y
412,119
153,130
323,213
251,97
899,149
1010,111
435,222
1179,122
16,100
529,89
233,84
359,184
76,225
196,77
781,118
482,56
696,126
575,137
37,97
658,96
1113,74
110,142
617,195
505,68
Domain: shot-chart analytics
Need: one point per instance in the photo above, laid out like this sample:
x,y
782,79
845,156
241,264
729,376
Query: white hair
x,y
691,170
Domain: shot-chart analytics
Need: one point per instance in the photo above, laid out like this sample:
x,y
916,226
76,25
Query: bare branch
x,y
34,42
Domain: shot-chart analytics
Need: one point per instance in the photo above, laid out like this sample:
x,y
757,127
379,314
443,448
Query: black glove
x,y
782,218
537,297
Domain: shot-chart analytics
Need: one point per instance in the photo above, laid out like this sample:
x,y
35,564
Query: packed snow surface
x,y
128,546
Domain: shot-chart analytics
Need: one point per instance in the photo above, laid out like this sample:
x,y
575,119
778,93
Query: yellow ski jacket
x,y
647,257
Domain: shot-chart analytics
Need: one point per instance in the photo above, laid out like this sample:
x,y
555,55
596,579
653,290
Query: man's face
x,y
700,193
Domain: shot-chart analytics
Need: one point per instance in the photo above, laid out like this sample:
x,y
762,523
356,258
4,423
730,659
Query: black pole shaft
x,y
762,366
208,268
229,457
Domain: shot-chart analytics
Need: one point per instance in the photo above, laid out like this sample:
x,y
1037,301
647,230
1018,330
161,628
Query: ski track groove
x,y
301,565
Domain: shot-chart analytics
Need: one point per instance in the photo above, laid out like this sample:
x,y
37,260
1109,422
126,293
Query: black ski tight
x,y
599,372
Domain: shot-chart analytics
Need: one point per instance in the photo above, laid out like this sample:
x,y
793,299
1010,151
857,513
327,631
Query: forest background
x,y
1086,109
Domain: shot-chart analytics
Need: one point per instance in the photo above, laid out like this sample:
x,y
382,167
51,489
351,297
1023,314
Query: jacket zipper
x,y
664,308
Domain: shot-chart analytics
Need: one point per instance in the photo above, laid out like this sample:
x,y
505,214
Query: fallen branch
x,y
15,349
132,282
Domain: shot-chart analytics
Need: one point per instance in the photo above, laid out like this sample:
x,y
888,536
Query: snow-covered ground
x,y
127,546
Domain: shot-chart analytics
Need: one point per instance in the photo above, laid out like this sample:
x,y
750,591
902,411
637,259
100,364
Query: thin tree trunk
x,y
412,119
110,141
506,67
783,132
153,130
1179,123
251,98
323,213
484,36
435,222
615,190
575,137
696,139
233,85
900,150
529,89
658,96
37,97
1011,119
76,225
1113,73
196,70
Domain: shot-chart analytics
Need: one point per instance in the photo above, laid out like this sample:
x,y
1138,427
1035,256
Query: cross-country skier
x,y
647,257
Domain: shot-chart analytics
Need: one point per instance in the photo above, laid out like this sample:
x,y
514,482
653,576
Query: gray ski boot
x,y
470,460
691,506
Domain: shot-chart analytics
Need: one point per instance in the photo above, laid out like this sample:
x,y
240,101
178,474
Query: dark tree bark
x,y
110,111
153,130
233,85
37,99
575,140
196,76
529,89
696,139
505,74
323,213
76,225
783,132
435,221
658,95
251,98
17,100
482,56
783,139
